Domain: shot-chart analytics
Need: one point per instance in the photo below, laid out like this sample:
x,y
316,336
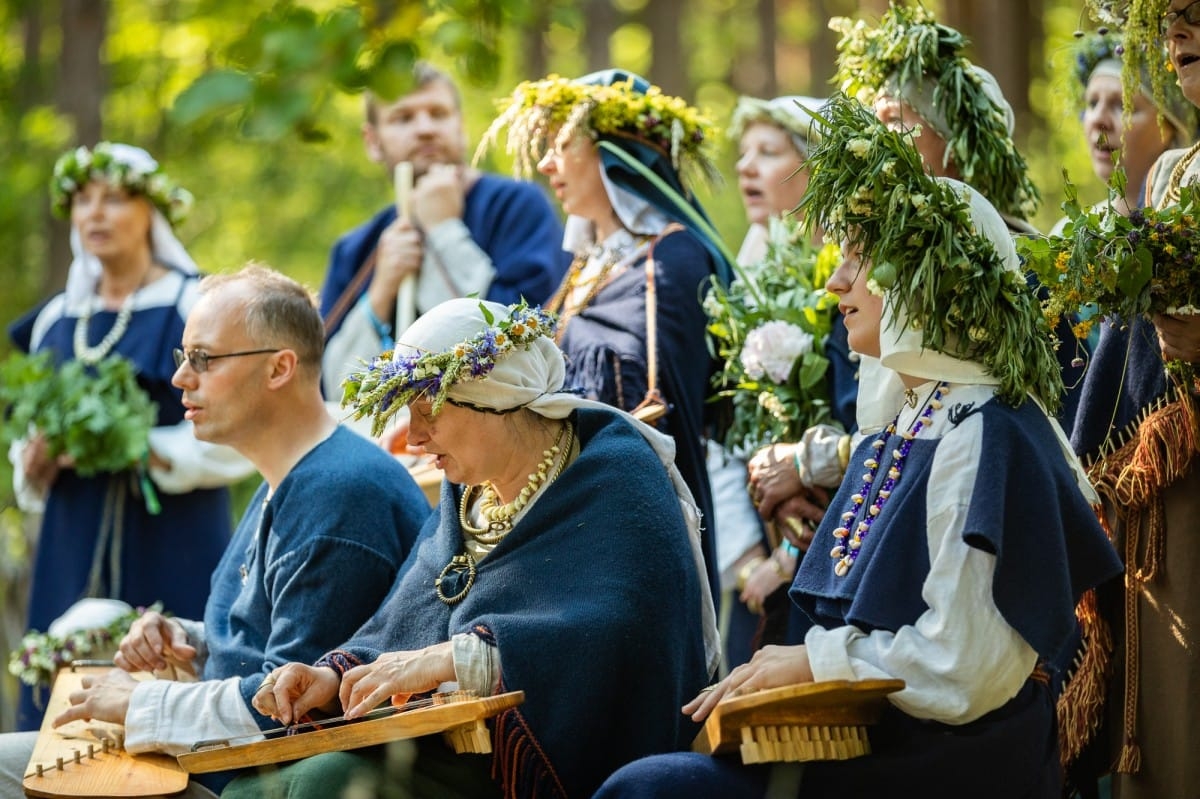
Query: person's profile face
x,y
424,127
111,222
1183,46
767,171
862,311
573,168
1110,141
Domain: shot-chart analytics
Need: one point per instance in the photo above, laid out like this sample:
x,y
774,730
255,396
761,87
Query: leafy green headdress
x,y
910,49
940,273
1144,55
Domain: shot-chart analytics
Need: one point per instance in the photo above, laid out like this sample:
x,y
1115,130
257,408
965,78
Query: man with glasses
x,y
313,557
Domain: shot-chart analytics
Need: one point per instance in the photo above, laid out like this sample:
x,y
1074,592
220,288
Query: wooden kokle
x,y
811,721
459,716
87,758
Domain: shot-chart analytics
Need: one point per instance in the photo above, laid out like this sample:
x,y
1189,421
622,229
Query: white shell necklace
x,y
93,355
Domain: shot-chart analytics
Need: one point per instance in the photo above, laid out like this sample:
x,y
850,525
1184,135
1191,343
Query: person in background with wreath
x,y
773,138
619,155
129,290
563,561
911,71
957,546
1135,422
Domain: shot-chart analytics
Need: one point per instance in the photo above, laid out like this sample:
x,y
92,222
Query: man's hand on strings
x,y
101,698
291,691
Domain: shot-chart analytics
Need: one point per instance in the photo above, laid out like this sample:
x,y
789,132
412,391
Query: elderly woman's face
x,y
112,223
469,446
1135,147
767,171
898,115
861,310
573,169
1183,48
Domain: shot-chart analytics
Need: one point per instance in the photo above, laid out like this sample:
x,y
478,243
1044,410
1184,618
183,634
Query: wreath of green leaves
x,y
1143,42
868,186
908,45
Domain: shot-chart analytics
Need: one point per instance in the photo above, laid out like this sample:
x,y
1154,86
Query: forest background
x,y
256,108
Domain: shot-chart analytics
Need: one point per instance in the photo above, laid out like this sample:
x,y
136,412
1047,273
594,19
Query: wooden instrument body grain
x,y
86,758
461,721
810,721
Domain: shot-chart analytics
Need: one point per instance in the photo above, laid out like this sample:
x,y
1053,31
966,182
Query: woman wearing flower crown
x,y
128,291
1135,422
619,155
773,138
957,544
563,561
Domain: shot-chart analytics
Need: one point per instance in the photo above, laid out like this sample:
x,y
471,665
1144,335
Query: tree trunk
x,y
600,19
668,62
80,89
1001,45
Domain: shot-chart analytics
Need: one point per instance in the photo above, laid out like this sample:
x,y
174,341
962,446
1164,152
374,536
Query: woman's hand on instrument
x,y
290,691
102,698
366,687
771,667
153,643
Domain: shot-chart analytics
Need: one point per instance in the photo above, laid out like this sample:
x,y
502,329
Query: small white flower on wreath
x,y
771,349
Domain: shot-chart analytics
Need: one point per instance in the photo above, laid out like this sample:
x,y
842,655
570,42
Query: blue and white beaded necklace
x,y
845,552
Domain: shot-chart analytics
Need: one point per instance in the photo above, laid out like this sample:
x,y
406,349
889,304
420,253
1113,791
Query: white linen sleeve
x,y
167,716
29,498
960,659
194,463
455,266
476,664
819,456
355,341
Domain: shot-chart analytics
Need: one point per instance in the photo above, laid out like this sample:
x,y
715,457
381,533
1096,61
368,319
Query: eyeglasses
x,y
199,359
1190,14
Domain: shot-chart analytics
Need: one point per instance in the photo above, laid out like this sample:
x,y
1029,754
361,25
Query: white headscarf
x,y
637,215
918,93
84,273
903,351
533,378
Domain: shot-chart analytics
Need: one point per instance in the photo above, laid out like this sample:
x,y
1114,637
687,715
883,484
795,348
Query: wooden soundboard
x,y
87,758
810,721
461,720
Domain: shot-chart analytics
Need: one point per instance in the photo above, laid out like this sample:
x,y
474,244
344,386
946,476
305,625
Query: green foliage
x,y
768,329
99,416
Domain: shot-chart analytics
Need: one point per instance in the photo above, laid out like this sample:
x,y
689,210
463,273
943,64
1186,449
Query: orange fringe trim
x,y
1081,703
1155,451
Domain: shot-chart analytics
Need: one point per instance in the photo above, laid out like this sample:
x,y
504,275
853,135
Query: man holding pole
x,y
460,232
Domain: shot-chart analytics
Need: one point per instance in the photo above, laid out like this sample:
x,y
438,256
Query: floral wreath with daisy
x,y
77,168
908,45
868,186
388,383
564,107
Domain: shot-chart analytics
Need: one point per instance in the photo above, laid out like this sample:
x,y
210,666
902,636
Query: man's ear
x,y
284,365
370,138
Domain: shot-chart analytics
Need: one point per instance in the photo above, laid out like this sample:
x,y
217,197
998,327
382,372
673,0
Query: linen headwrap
x,y
920,95
792,113
902,346
84,272
532,377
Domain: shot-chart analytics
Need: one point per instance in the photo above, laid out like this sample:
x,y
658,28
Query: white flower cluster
x,y
771,350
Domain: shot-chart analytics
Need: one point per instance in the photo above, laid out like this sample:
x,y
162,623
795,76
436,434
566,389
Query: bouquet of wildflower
x,y
388,383
769,328
98,415
1141,264
43,654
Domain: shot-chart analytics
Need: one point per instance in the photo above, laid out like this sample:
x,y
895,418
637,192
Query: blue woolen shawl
x,y
593,601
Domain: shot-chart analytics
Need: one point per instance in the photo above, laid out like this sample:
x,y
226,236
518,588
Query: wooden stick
x,y
406,299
